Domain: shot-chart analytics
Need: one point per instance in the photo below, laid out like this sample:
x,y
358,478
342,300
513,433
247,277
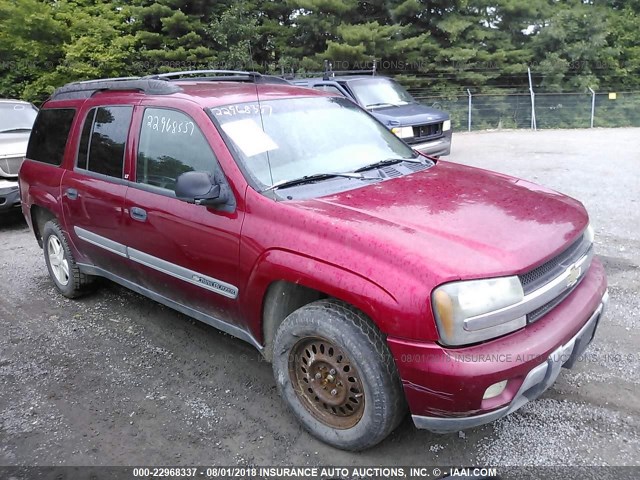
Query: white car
x,y
16,120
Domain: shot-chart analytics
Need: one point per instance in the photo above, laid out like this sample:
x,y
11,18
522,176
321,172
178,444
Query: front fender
x,y
277,264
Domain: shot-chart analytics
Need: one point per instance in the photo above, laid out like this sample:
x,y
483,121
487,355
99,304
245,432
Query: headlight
x,y
446,125
403,132
590,233
459,308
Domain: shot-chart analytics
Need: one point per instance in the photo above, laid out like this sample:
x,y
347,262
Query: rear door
x,y
186,253
93,192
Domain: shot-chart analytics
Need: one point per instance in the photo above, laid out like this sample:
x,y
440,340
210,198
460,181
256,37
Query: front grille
x,y
9,167
547,307
422,132
549,270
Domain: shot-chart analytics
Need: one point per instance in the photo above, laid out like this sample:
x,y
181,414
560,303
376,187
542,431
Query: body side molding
x,y
191,276
100,241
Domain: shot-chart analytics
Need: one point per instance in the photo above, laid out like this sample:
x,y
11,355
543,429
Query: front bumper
x,y
435,148
535,383
445,387
9,196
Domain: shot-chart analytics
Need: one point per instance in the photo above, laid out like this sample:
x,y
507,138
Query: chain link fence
x,y
552,110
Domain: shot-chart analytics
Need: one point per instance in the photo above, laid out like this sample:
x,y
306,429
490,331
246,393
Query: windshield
x,y
377,92
16,116
297,137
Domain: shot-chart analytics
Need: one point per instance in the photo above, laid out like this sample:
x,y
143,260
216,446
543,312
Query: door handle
x,y
71,193
139,214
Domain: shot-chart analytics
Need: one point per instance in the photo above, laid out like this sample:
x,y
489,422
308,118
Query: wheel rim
x,y
327,382
57,260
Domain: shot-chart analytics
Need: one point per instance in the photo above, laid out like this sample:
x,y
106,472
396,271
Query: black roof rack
x,y
173,75
158,84
87,88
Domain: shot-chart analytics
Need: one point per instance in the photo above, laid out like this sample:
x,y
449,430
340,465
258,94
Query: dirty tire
x,y
349,333
64,272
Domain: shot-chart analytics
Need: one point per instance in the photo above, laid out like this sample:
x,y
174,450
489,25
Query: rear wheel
x,y
64,272
335,372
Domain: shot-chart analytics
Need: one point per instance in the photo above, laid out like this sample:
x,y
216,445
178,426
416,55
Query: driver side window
x,y
171,144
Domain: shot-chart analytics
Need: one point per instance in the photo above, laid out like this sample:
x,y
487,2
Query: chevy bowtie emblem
x,y
574,274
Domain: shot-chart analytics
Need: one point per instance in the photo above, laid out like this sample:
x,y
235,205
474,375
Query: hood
x,y
410,114
462,221
13,144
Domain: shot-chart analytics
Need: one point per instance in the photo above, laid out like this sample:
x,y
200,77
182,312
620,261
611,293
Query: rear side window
x,y
103,140
49,135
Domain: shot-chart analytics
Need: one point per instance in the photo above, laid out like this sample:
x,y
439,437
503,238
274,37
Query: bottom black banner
x,y
317,472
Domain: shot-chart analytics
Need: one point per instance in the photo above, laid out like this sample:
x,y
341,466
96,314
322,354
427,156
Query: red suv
x,y
371,276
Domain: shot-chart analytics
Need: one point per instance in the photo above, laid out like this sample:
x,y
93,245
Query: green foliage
x,y
439,47
31,40
574,47
94,47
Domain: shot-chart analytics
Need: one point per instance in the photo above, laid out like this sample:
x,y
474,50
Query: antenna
x,y
262,125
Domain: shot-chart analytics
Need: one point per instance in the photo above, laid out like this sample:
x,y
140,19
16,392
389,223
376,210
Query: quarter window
x,y
103,140
49,135
170,145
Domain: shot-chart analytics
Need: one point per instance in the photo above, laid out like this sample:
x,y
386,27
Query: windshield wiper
x,y
15,130
315,178
388,161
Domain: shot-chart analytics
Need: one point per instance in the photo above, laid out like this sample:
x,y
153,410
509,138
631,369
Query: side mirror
x,y
199,188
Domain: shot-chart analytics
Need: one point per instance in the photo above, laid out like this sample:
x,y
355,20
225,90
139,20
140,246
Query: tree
x,y
624,37
440,46
31,40
573,47
94,46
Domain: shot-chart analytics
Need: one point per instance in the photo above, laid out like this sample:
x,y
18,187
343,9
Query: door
x,y
93,193
184,252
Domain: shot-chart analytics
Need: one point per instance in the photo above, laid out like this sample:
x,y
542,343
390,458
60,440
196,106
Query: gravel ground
x,y
116,379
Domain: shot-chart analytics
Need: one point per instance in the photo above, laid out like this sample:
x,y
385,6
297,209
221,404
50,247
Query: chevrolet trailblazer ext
x,y
372,277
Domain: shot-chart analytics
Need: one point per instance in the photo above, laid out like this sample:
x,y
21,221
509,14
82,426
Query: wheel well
x,y
39,217
282,299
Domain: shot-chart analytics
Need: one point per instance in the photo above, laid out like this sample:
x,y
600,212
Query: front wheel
x,y
335,372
